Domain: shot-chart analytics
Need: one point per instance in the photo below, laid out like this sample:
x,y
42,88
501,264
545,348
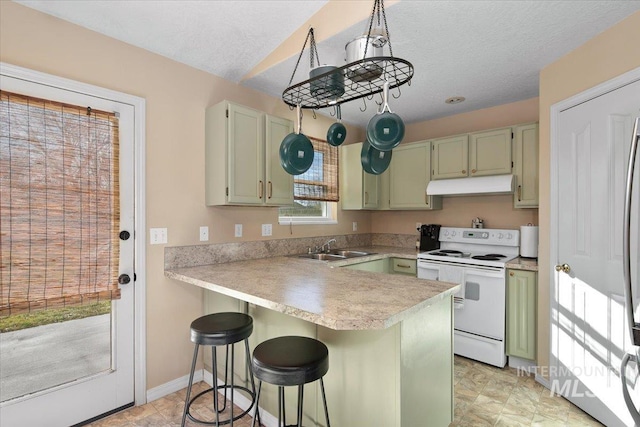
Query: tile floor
x,y
489,396
484,396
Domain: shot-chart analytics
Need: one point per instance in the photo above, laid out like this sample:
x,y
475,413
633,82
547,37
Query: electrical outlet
x,y
238,230
418,225
355,226
266,229
158,236
204,233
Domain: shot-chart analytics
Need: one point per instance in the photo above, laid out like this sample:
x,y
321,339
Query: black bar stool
x,y
216,330
289,361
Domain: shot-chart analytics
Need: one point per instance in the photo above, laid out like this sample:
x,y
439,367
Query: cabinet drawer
x,y
404,266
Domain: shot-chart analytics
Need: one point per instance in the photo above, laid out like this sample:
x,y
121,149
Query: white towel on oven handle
x,y
454,275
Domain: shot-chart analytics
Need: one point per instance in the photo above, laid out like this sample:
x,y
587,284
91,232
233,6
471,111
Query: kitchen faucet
x,y
328,245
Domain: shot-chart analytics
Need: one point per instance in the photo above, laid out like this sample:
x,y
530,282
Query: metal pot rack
x,y
365,82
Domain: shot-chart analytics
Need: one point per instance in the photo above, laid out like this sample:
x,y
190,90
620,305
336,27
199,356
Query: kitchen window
x,y
315,191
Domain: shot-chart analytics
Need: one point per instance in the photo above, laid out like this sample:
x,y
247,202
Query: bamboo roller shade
x,y
59,204
320,182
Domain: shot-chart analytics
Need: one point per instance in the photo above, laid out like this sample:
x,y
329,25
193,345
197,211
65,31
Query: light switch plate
x,y
266,230
158,236
204,233
238,230
355,226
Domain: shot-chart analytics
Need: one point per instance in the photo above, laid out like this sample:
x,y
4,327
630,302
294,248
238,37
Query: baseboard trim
x,y
172,386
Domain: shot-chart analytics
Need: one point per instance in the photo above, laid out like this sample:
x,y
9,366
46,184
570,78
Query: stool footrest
x,y
221,387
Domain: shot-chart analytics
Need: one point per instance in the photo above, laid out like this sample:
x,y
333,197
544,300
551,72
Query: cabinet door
x,y
409,174
450,157
403,266
358,189
370,190
279,184
377,266
383,186
525,156
521,314
490,152
246,158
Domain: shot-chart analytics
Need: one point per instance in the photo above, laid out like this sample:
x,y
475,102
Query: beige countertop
x,y
321,292
529,264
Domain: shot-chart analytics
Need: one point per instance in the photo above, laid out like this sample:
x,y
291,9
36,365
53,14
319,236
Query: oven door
x,y
481,310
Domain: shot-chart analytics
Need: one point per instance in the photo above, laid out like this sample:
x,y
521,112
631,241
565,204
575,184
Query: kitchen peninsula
x,y
389,336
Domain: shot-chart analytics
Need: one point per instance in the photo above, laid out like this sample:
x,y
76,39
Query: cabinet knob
x,y
511,274
464,171
473,171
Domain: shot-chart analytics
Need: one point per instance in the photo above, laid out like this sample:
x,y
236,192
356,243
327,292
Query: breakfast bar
x,y
389,336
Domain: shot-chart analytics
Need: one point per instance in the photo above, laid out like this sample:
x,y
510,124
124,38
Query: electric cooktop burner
x,y
487,257
447,252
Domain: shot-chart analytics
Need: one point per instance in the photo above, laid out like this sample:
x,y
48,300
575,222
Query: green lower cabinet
x,y
403,266
377,266
387,265
521,313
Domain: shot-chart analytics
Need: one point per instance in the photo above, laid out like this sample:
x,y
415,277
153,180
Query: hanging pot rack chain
x,y
397,70
378,6
313,50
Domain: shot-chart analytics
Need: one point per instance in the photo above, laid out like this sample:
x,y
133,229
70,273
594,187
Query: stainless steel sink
x,y
323,257
336,255
349,254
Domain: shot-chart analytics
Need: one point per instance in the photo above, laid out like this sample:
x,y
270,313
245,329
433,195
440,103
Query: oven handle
x,y
479,268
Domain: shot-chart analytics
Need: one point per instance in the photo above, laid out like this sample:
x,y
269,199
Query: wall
x,y
176,98
608,55
498,210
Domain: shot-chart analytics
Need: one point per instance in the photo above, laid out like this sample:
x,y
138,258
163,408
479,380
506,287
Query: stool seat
x,y
221,328
290,360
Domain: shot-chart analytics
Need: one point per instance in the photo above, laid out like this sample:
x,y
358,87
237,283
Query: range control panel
x,y
480,236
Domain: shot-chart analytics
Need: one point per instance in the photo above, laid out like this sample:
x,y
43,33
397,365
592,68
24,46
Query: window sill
x,y
306,221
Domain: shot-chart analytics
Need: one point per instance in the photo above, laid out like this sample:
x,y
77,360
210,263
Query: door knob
x,y
564,267
123,279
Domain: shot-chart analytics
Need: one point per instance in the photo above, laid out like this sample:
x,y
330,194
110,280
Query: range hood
x,y
495,184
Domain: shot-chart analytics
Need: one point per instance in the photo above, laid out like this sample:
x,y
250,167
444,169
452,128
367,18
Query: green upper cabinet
x,y
521,313
525,157
474,154
450,157
241,157
279,183
490,152
409,175
358,189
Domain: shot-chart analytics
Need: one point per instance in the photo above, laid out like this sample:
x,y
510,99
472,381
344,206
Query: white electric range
x,y
475,258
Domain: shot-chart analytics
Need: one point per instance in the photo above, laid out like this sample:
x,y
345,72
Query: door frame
x,y
554,214
139,106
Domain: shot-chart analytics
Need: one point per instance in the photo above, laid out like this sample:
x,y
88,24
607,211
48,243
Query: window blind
x,y
59,204
320,182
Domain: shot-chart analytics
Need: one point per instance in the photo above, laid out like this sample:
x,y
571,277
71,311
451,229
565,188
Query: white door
x,y
588,335
80,397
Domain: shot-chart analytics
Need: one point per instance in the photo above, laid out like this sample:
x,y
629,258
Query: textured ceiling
x,y
490,52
